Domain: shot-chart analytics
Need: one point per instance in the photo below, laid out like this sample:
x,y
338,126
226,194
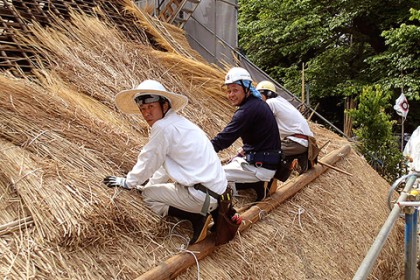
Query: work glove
x,y
113,181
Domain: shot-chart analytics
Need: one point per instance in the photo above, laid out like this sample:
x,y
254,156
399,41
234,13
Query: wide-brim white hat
x,y
125,99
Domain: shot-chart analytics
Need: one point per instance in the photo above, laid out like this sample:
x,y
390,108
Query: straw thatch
x,y
61,134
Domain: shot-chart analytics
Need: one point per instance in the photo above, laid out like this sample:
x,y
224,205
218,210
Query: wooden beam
x,y
175,265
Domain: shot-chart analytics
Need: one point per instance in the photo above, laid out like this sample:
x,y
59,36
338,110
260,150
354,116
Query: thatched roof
x,y
61,134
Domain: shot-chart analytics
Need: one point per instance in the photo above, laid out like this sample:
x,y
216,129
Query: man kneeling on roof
x,y
296,136
177,150
255,124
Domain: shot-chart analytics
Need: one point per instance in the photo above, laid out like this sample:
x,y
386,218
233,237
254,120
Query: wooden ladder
x,y
178,12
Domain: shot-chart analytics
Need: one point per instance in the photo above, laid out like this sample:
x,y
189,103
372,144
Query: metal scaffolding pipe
x,y
410,244
367,264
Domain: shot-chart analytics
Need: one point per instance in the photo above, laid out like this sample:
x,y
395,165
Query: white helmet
x,y
267,88
266,85
236,74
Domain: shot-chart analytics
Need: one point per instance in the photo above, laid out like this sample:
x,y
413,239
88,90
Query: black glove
x,y
113,181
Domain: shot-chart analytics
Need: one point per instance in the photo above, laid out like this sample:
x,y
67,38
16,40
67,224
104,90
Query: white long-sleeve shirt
x,y
179,150
289,120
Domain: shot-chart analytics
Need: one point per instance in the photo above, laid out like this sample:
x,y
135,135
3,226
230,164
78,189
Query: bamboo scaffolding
x,y
177,264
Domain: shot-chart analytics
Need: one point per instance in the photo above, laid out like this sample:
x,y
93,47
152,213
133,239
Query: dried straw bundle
x,y
24,257
11,206
123,64
62,145
70,115
149,25
65,202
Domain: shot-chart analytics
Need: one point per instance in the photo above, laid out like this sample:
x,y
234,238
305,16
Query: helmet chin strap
x,y
246,91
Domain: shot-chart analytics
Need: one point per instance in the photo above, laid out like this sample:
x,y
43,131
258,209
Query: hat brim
x,y
125,99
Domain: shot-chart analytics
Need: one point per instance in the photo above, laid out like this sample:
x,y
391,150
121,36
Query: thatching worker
x,y
412,151
177,150
293,128
255,124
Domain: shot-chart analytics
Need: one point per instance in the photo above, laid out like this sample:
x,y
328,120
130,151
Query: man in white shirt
x,y
293,127
177,150
412,151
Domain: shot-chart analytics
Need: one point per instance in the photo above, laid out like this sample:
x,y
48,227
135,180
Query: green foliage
x,y
374,131
343,42
348,47
399,65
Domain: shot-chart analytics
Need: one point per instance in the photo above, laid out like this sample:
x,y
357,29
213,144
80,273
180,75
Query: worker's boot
x,y
259,188
303,162
215,216
199,223
272,186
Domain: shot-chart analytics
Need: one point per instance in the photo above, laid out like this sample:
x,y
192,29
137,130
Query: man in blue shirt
x,y
256,125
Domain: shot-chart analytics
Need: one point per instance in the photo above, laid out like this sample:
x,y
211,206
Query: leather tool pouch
x,y
313,150
226,228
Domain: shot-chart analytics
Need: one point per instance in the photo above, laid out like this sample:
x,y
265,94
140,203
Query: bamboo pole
x,y
335,168
313,112
303,83
175,265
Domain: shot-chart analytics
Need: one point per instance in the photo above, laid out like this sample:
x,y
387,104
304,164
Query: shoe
x,y
272,186
215,216
303,162
200,227
199,223
259,187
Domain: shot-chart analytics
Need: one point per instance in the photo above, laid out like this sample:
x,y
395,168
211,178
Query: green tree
x,y
346,44
374,131
399,65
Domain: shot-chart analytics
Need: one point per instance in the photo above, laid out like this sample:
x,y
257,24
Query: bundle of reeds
x,y
124,64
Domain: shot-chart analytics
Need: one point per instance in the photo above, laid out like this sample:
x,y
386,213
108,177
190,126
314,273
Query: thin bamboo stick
x,y
15,225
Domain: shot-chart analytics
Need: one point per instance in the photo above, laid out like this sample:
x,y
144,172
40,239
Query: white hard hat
x,y
267,88
266,85
236,74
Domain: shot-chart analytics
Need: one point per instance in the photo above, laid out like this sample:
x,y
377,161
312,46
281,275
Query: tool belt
x,y
301,136
266,159
208,192
225,228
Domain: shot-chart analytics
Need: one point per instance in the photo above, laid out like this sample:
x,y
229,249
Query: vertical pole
x,y
410,242
303,82
308,101
402,134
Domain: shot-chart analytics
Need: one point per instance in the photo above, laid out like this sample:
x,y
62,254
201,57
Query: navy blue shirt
x,y
255,124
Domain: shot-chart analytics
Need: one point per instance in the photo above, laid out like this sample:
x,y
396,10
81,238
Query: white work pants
x,y
240,171
159,197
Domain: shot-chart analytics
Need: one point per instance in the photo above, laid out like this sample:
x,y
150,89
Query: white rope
x,y
298,213
182,249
